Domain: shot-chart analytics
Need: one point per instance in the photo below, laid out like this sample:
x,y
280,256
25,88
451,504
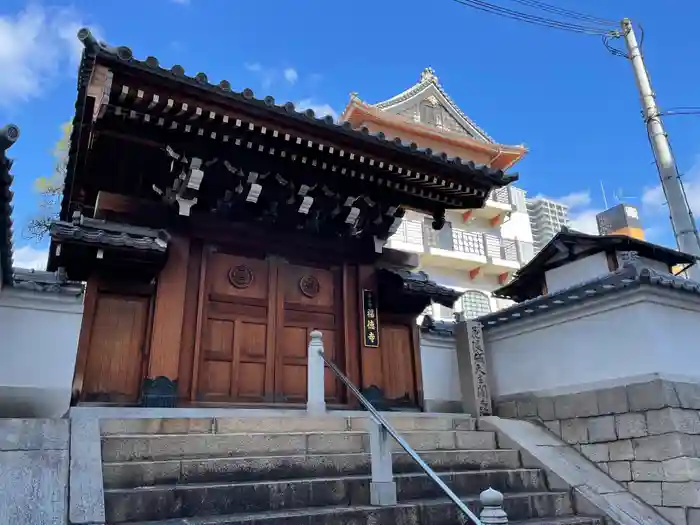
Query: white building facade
x,y
471,254
477,250
547,218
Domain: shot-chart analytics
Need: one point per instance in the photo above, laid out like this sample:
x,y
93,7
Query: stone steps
x,y
296,422
221,469
399,515
544,508
193,499
304,470
169,446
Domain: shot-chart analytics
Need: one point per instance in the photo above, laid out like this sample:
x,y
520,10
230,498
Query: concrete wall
x,y
39,334
441,388
644,434
34,471
576,272
597,343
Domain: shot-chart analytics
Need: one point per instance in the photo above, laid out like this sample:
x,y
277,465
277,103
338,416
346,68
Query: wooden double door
x,y
255,318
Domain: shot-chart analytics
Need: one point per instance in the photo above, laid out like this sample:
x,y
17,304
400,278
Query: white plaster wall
x,y
654,265
638,333
440,373
459,280
38,345
517,227
576,272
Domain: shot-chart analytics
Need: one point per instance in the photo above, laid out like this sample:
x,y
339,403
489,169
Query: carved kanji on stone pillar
x,y
473,373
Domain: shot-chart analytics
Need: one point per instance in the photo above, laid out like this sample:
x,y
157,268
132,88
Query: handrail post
x,y
315,380
382,487
492,512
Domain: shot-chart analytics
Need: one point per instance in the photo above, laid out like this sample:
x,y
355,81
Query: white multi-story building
x,y
478,250
547,218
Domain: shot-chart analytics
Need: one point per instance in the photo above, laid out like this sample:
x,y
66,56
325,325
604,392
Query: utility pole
x,y
681,216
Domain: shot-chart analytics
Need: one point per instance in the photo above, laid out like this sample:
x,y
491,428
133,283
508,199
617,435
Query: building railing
x,y
383,486
418,233
501,195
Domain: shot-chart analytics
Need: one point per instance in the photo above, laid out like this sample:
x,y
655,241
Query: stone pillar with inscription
x,y
473,373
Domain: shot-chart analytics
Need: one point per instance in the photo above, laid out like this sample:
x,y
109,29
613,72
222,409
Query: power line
x,y
533,19
567,12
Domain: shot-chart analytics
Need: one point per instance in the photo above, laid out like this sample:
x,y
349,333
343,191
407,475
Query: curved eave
x,y
503,156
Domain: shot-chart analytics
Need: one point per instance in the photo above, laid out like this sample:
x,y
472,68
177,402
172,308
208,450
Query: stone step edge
x,y
321,511
300,433
215,484
421,453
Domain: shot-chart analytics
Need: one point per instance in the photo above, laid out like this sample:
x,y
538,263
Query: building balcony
x,y
498,204
476,252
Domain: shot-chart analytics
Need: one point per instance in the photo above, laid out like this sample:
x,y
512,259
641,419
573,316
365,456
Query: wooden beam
x,y
166,338
89,306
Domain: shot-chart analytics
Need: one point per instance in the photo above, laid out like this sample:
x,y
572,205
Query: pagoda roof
x,y
8,136
463,133
430,85
144,91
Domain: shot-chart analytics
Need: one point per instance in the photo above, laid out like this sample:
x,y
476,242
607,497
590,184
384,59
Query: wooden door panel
x,y
256,321
305,286
117,348
398,372
310,301
291,366
234,277
234,360
217,358
250,364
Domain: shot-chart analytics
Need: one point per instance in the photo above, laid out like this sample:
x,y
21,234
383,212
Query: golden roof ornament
x,y
428,75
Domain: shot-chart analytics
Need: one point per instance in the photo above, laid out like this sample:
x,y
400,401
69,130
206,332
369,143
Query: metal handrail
x,y
392,432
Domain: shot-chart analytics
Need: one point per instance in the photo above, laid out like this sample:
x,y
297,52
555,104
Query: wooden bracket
x,y
474,273
502,278
467,215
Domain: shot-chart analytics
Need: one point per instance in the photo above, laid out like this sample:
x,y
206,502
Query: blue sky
x,y
563,95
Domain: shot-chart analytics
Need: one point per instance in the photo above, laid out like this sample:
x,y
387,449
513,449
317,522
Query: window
x,y
475,304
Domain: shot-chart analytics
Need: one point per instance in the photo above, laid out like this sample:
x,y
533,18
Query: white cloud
x,y
320,109
577,199
654,200
36,44
291,75
255,67
584,220
30,258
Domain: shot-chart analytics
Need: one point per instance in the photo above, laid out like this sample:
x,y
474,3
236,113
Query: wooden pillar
x,y
160,385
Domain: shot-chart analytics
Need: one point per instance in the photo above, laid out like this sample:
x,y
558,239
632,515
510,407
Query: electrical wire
x,y
533,19
567,12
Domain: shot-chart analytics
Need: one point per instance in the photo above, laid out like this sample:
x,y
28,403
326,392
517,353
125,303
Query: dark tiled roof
x,y
110,234
527,281
631,275
122,55
8,136
439,327
418,283
44,282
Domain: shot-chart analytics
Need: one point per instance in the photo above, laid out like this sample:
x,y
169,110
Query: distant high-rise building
x,y
622,219
547,218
